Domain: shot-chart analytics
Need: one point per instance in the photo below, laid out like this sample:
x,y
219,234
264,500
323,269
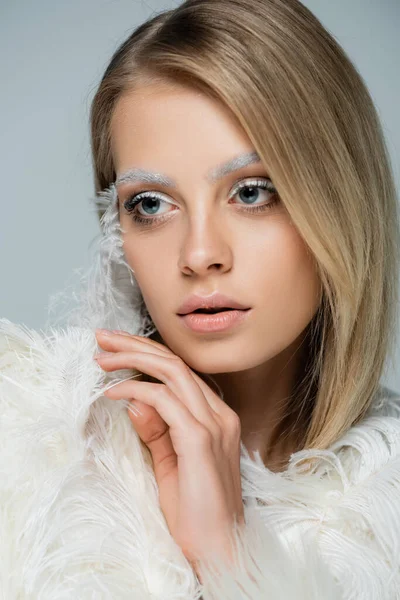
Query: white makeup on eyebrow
x,y
238,162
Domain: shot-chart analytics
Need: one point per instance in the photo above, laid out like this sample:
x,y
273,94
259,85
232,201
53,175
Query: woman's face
x,y
200,237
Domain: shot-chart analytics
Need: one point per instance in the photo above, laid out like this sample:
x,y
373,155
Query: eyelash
x,y
135,199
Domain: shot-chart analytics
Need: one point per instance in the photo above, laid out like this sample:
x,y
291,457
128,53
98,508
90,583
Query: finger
x,y
145,339
115,342
124,337
128,342
214,400
154,432
186,431
174,373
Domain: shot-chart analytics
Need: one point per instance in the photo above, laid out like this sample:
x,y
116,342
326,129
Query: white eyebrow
x,y
234,164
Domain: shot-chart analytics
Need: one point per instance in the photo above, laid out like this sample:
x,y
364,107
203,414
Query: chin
x,y
210,367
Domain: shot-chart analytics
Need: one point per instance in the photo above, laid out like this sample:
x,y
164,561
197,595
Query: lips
x,y
212,303
222,321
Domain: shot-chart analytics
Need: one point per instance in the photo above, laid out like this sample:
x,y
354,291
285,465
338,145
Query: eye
x,y
247,191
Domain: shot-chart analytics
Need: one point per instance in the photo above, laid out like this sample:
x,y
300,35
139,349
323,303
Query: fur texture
x,y
79,510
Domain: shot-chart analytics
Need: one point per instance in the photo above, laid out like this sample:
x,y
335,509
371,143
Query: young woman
x,y
240,169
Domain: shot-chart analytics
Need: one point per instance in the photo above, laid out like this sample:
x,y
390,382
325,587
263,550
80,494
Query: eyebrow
x,y
234,164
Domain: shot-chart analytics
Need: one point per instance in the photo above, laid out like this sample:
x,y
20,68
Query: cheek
x,y
290,284
149,267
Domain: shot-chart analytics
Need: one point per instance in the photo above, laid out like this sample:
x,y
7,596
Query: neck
x,y
263,397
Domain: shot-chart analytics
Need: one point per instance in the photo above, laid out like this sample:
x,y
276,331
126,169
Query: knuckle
x,y
164,393
233,423
180,367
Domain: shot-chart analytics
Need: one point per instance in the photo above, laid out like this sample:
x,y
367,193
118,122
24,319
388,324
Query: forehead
x,y
159,125
155,111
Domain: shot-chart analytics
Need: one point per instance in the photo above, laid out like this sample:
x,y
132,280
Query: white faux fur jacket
x,y
79,511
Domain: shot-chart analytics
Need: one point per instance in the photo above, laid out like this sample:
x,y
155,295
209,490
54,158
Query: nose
x,y
205,248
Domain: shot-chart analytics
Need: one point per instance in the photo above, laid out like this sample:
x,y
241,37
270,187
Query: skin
x,y
193,437
210,243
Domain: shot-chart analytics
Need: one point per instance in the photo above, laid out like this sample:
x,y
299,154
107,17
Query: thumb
x,y
154,432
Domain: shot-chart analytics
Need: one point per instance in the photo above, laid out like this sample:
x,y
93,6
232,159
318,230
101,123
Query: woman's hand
x,y
194,440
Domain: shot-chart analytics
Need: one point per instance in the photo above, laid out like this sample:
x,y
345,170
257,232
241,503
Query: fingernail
x,y
120,331
104,331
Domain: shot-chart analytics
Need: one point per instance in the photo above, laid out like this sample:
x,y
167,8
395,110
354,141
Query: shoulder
x,y
348,508
386,403
367,452
372,447
17,339
40,369
28,350
71,456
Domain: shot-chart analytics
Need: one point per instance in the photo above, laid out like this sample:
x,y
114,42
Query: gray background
x,y
53,55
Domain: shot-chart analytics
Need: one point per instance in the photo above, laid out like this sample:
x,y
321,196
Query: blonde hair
x,y
310,117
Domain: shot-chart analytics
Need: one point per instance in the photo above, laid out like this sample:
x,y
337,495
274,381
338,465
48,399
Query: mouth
x,y
212,320
212,311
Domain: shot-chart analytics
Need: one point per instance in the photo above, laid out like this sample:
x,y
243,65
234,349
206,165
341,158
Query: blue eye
x,y
251,188
248,191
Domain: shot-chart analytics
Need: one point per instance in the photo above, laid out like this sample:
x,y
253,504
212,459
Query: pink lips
x,y
207,323
215,300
